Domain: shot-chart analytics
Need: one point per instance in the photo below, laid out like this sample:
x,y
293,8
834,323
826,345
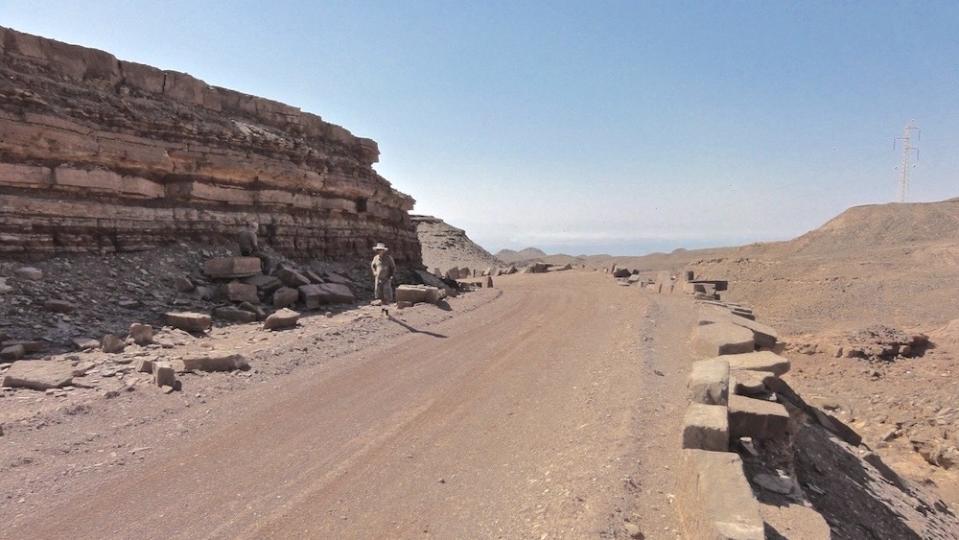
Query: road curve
x,y
550,412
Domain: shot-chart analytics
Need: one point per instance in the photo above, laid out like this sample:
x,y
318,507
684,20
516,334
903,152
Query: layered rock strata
x,y
103,155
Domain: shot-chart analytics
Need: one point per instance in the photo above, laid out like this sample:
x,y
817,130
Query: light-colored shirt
x,y
383,266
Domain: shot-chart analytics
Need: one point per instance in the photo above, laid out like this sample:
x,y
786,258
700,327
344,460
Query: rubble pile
x,y
89,302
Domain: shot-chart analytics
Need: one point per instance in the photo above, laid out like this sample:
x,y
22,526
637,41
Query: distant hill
x,y
510,256
444,246
893,264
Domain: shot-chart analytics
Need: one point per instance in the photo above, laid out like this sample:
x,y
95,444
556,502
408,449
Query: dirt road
x,y
549,412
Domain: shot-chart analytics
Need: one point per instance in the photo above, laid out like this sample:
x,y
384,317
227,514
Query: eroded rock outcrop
x,y
102,155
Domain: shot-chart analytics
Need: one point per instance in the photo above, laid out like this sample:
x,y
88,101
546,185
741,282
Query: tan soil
x,y
548,412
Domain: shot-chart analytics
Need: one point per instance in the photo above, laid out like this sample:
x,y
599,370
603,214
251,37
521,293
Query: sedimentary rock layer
x,y
102,155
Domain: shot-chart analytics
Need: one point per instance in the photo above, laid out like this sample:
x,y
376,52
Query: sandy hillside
x,y
445,246
894,264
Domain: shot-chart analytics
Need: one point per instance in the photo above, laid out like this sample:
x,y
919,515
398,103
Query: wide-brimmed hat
x,y
380,247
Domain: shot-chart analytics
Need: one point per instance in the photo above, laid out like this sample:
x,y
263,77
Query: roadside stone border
x,y
715,498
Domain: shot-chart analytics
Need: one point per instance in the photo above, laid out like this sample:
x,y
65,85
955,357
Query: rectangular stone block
x,y
214,362
237,291
722,338
232,267
190,322
757,418
163,374
767,361
708,383
706,427
715,500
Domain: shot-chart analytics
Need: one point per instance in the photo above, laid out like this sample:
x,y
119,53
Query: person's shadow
x,y
415,330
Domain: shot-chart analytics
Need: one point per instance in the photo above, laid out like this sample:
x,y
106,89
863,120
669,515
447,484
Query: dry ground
x,y
550,410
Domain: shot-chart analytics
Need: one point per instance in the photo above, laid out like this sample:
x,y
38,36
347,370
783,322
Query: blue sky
x,y
589,127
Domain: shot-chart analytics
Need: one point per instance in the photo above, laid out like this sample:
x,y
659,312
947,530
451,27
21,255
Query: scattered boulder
x,y
13,352
536,268
183,284
285,296
142,334
164,374
85,343
4,288
29,272
233,314
237,291
112,344
621,273
292,278
282,319
144,365
59,306
190,322
419,293
232,267
38,374
333,277
256,310
264,283
214,361
314,296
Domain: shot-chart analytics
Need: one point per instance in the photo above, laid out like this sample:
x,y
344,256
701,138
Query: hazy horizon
x,y
612,126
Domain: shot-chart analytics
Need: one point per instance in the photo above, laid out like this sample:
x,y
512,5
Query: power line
x,y
907,153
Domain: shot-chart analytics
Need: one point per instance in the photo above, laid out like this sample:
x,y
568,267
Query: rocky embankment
x,y
760,462
103,155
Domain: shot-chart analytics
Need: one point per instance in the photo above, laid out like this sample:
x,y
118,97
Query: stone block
x,y
13,352
38,374
292,278
163,374
715,499
267,284
237,291
767,361
232,267
722,338
190,322
85,343
756,418
59,306
112,344
764,335
749,383
282,319
144,365
142,334
338,293
706,427
214,361
233,314
29,272
285,296
708,382
314,296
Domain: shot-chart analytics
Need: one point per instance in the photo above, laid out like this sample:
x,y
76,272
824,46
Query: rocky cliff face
x,y
102,155
445,246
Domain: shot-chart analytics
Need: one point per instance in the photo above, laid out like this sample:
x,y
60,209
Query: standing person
x,y
383,268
